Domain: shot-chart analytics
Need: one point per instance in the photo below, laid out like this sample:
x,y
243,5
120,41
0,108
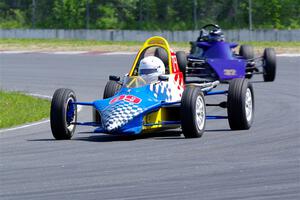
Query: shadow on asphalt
x,y
217,130
257,82
115,138
41,140
99,137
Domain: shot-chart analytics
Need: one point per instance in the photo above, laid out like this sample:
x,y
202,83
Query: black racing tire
x,y
61,126
111,88
163,55
193,47
269,66
247,52
193,112
240,104
181,60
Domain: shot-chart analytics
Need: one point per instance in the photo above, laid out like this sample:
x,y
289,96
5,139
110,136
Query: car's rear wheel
x,y
240,104
163,55
193,112
269,64
247,52
63,114
111,88
181,60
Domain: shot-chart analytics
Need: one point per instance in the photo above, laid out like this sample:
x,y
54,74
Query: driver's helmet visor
x,y
147,71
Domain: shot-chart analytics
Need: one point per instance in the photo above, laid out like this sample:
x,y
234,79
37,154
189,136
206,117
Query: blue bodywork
x,y
124,112
221,59
110,109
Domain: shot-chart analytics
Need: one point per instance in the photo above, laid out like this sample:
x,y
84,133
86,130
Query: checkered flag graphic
x,y
118,114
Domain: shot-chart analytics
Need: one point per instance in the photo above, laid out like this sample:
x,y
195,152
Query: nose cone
x,y
118,114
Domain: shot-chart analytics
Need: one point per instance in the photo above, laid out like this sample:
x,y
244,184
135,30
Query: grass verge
x,y
17,108
92,45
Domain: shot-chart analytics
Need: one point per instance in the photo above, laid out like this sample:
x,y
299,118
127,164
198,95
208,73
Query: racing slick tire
x,y
162,54
240,104
247,52
193,112
193,47
182,61
111,88
63,114
269,66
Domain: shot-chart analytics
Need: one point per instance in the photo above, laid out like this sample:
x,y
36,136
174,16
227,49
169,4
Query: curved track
x,y
262,163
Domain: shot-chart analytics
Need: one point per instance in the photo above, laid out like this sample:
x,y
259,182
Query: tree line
x,y
149,14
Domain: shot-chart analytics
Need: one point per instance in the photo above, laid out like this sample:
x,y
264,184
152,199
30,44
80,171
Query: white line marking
x,y
67,52
288,55
40,96
16,52
25,126
118,53
79,108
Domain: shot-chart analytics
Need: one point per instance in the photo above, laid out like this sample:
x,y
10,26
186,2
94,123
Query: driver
x,y
151,66
216,35
213,35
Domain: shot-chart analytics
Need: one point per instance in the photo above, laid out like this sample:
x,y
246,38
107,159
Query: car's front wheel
x,y
111,88
63,114
193,112
240,104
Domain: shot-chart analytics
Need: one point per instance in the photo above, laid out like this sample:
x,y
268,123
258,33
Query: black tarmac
x,y
260,163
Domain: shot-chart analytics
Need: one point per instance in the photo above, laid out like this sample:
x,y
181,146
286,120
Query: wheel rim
x,y
70,114
248,105
200,113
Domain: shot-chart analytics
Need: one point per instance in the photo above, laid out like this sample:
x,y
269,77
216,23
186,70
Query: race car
x,y
152,97
214,59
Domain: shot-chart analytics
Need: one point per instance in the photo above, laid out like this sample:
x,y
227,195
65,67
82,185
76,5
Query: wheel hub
x,y
200,113
248,105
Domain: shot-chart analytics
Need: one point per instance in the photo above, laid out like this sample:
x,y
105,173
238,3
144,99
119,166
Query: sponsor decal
x,y
128,98
229,72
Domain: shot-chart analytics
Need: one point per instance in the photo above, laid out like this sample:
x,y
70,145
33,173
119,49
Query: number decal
x,y
128,98
229,72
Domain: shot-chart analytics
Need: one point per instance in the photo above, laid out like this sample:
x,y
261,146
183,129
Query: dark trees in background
x,y
148,14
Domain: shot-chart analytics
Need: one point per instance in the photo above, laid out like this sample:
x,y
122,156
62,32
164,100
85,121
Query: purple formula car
x,y
211,58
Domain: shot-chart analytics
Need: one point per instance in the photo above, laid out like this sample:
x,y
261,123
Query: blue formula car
x,y
212,58
141,102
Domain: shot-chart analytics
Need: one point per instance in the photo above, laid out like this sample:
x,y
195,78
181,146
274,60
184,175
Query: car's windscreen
x,y
139,81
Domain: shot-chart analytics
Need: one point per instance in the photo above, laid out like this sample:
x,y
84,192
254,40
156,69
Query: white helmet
x,y
151,65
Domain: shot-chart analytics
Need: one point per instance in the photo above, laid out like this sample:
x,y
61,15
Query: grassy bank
x,y
17,108
91,45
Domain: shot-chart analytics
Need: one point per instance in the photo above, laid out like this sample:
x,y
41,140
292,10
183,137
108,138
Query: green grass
x,y
17,108
273,44
72,42
83,43
92,45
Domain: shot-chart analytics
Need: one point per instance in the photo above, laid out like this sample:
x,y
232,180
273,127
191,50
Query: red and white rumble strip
x,y
70,52
104,53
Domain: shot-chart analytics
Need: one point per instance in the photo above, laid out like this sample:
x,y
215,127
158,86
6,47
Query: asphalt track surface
x,y
260,163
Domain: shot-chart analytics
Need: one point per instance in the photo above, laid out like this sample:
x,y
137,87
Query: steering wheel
x,y
211,25
206,29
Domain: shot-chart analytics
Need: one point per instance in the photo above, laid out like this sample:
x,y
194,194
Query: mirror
x,y
114,78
